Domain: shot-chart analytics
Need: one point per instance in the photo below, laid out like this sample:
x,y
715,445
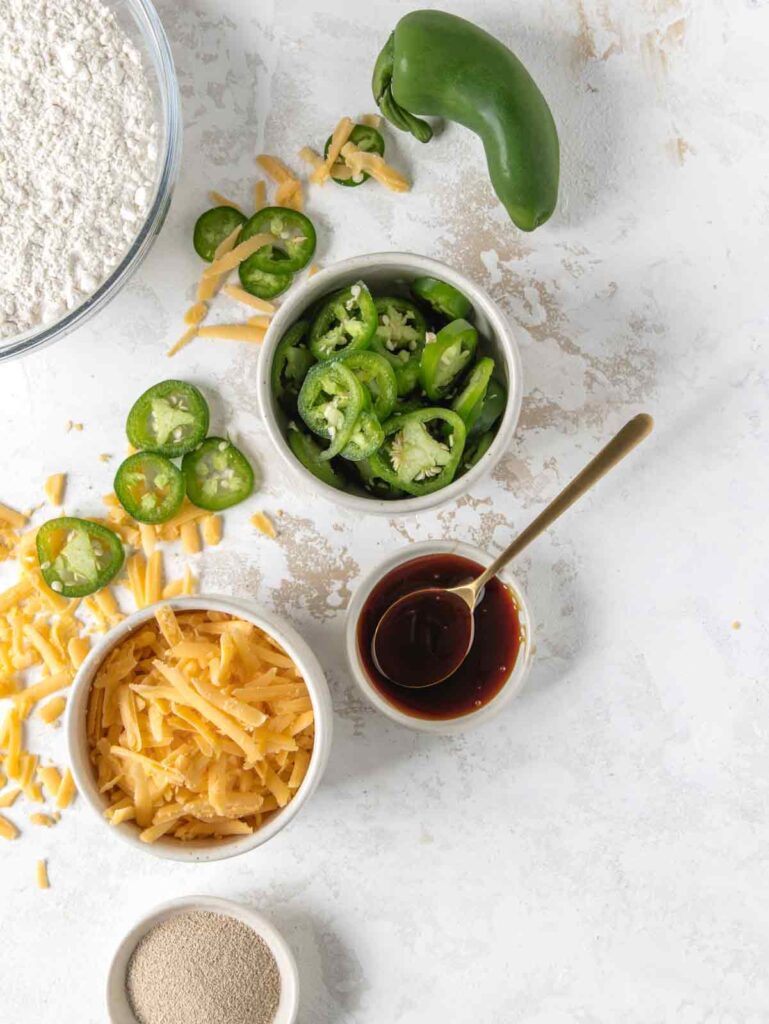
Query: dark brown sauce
x,y
491,657
423,637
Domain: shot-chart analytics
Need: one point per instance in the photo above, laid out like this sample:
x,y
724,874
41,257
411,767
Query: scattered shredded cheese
x,y
275,168
44,820
289,194
52,710
224,264
190,539
263,524
185,339
7,829
233,332
220,200
370,120
42,875
12,518
259,321
66,792
196,313
212,529
210,285
311,157
338,139
54,488
260,196
373,164
241,295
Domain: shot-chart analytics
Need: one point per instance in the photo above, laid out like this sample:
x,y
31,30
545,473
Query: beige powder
x,y
203,968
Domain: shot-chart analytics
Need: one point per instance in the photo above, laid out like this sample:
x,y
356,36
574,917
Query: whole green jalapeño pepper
x,y
441,65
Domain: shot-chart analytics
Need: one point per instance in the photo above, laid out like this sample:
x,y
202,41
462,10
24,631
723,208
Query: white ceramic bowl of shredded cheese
x,y
139,22
118,1005
388,272
201,850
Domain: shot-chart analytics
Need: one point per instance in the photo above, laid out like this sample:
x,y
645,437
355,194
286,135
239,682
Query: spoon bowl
x,y
424,636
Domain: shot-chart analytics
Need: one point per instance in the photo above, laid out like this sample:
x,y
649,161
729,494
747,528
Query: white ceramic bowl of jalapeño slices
x,y
390,273
200,850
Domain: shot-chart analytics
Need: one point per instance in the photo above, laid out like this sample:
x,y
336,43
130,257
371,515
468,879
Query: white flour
x,y
78,149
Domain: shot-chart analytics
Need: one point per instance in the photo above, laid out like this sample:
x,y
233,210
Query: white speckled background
x,y
599,852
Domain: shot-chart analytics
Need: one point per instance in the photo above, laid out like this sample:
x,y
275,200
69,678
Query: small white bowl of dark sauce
x,y
498,662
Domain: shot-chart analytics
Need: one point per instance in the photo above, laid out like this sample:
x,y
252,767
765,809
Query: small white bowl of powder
x,y
203,960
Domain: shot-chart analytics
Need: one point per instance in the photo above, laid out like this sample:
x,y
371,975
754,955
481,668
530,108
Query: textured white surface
x,y
599,852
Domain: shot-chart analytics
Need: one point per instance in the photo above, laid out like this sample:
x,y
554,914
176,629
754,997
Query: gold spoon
x,y
424,636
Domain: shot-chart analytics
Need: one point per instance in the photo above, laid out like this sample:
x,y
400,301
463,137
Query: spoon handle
x,y
620,445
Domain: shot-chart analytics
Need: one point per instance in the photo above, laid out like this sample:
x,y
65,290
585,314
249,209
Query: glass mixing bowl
x,y
140,21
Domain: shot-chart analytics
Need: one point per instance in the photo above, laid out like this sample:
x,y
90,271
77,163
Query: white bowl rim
x,y
203,851
511,687
118,1006
311,289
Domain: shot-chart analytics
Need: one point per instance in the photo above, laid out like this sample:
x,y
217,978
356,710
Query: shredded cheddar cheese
x,y
260,196
210,284
67,791
44,820
44,639
212,529
196,313
220,200
54,488
184,340
373,164
230,260
339,138
289,194
199,726
275,168
7,829
41,873
12,518
311,157
241,295
190,538
263,524
233,332
52,710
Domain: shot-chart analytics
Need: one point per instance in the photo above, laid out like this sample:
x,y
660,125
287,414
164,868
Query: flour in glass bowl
x,y
78,155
